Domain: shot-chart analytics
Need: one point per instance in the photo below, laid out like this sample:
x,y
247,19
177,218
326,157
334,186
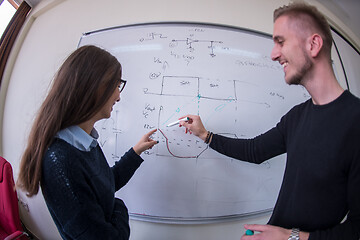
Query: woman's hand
x,y
145,142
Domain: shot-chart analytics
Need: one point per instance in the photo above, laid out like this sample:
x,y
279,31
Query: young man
x,y
320,136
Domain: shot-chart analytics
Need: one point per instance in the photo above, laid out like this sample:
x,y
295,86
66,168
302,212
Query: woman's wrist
x,y
136,150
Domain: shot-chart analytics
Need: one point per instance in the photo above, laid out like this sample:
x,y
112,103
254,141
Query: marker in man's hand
x,y
249,232
185,119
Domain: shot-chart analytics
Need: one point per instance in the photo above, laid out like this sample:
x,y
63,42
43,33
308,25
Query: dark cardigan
x,y
79,189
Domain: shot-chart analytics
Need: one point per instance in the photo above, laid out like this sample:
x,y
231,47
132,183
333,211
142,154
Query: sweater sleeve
x,y
255,150
125,168
71,201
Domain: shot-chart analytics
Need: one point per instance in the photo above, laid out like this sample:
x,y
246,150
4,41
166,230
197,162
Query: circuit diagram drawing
x,y
190,44
171,94
222,74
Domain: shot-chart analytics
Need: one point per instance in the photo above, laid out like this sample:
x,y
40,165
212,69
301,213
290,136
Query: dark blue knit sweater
x,y
79,189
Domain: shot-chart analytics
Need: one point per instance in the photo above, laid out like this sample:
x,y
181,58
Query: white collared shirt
x,y
78,138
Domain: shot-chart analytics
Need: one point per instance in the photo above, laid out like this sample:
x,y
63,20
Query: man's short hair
x,y
308,18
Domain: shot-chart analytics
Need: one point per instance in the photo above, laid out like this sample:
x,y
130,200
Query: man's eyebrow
x,y
277,38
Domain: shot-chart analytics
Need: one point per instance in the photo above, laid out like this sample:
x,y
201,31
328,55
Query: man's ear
x,y
315,44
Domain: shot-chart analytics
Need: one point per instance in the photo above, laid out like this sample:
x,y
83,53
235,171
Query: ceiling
x,y
348,11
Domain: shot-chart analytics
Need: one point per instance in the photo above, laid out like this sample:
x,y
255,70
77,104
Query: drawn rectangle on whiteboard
x,y
180,86
223,74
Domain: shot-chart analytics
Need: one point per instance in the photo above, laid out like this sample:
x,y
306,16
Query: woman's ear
x,y
315,44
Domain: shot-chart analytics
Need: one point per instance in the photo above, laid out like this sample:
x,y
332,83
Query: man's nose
x,y
275,53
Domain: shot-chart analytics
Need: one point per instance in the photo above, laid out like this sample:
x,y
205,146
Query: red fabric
x,y
9,209
15,235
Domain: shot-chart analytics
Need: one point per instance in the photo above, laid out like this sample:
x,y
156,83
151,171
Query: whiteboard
x,y
350,60
221,73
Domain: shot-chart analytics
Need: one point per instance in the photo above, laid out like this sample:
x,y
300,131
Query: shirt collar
x,y
78,138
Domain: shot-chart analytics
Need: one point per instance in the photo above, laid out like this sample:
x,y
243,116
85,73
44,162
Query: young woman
x,y
64,157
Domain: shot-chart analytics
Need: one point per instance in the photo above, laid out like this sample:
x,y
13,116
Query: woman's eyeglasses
x,y
122,85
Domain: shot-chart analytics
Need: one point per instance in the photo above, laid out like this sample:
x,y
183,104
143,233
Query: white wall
x,y
53,31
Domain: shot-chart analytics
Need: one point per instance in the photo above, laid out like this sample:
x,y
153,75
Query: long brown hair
x,y
82,85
